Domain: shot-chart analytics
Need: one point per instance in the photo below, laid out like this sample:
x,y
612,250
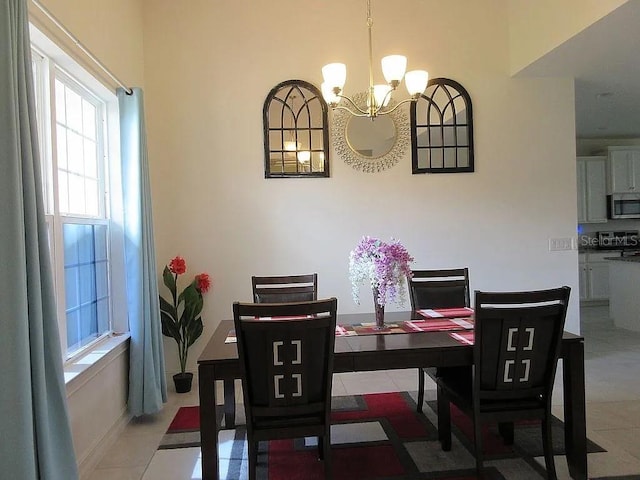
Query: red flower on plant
x,y
178,265
203,282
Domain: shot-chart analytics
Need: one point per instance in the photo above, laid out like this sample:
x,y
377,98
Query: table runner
x,y
410,326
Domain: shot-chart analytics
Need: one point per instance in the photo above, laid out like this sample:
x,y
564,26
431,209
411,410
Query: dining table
x,y
384,350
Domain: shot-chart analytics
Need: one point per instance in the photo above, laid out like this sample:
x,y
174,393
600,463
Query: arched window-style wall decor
x,y
442,129
296,136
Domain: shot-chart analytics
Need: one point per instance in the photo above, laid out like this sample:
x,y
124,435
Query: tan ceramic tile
x,y
134,473
622,440
612,415
131,451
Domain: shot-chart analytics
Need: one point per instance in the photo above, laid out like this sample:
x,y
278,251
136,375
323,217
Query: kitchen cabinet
x,y
594,275
624,169
592,200
624,301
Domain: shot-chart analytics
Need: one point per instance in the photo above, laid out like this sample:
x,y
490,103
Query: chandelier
x,y
378,96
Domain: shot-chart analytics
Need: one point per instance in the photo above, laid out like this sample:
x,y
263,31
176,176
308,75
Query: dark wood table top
x,y
217,351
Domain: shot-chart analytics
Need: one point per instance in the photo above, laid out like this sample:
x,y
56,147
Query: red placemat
x,y
465,338
446,312
440,324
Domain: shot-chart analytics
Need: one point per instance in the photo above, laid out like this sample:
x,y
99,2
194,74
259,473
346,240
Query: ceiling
x,y
604,59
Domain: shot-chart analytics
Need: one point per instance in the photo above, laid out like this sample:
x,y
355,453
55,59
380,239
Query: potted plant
x,y
385,266
181,316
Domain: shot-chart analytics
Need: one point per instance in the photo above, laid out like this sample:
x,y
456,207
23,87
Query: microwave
x,y
623,205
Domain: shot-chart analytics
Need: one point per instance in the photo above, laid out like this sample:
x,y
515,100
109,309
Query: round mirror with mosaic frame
x,y
370,145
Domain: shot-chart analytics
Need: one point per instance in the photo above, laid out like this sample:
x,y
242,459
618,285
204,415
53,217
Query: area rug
x,y
377,436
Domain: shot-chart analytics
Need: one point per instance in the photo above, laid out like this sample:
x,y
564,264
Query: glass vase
x,y
379,310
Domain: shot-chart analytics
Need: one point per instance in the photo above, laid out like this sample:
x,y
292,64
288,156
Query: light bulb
x,y
329,95
416,81
304,156
382,95
335,75
290,146
393,68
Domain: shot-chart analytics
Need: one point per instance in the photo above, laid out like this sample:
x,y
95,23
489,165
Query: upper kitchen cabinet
x,y
592,202
624,169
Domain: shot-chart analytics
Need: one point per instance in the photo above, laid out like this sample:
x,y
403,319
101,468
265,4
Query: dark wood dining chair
x,y
515,353
446,288
287,367
285,288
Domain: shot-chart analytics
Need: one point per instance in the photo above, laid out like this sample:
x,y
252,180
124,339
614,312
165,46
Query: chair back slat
x,y
285,288
286,364
446,288
517,342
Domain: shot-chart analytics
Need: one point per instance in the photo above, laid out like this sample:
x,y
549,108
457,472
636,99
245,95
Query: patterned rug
x,y
379,436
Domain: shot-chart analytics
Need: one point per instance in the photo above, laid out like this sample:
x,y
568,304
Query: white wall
x,y
208,69
97,402
538,27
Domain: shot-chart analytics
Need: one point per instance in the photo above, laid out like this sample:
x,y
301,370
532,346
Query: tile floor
x,y
613,406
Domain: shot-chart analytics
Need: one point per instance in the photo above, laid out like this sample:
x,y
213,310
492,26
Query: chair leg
x,y
477,440
328,471
420,390
444,420
321,448
506,432
253,458
547,446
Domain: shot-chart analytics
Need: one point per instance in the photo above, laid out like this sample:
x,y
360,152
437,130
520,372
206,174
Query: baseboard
x,y
89,462
593,303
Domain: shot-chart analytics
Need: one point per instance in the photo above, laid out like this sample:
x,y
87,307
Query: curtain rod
x,y
77,42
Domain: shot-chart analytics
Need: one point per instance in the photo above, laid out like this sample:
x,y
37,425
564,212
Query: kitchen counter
x,y
631,259
624,301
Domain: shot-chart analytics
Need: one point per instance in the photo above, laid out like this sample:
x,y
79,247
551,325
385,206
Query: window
x,y
75,114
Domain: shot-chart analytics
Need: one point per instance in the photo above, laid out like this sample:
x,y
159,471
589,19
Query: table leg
x,y
208,423
575,419
229,403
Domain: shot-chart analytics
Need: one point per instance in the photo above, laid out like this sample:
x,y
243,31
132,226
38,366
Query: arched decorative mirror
x,y
296,137
442,129
370,145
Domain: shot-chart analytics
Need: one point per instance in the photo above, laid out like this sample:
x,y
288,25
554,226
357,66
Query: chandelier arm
x,y
406,100
359,113
384,100
363,112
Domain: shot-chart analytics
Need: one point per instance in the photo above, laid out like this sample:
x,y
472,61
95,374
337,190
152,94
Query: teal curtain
x,y
35,438
147,383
